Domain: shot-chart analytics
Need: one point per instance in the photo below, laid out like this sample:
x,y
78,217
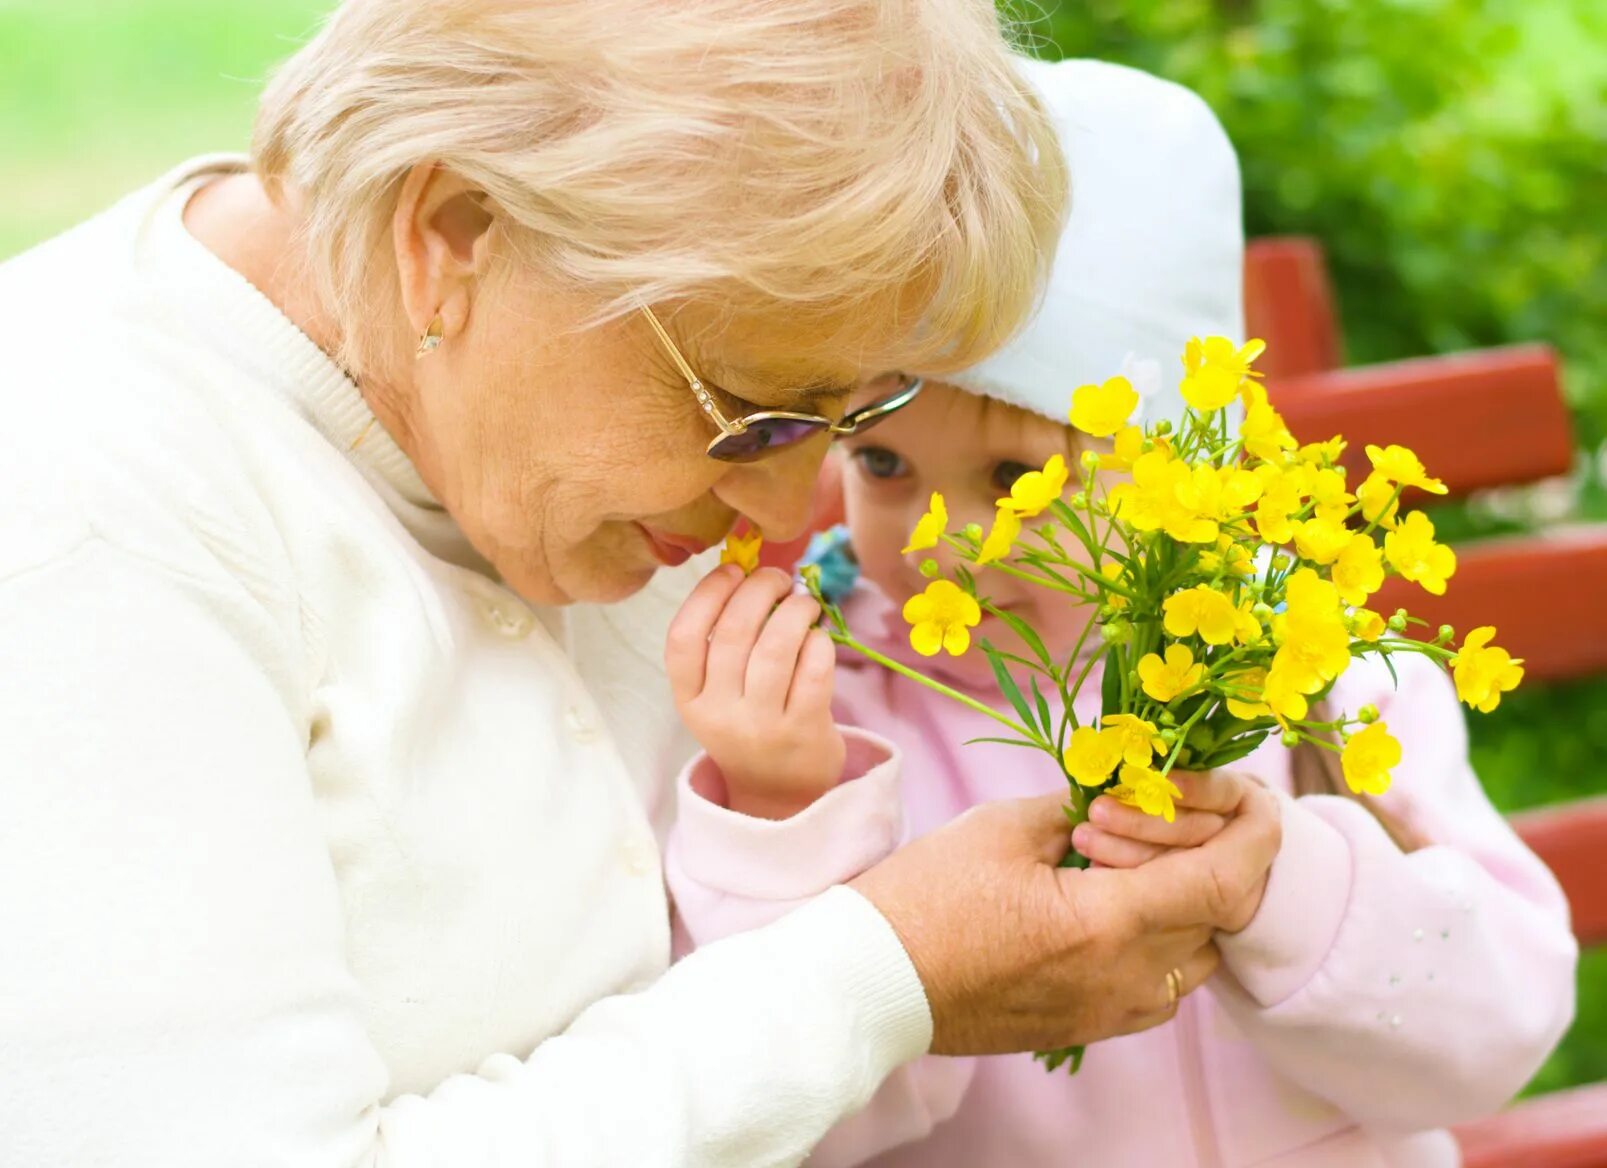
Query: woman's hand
x,y
752,679
1016,954
1119,836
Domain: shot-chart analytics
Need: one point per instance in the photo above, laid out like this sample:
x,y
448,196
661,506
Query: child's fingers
x,y
1188,829
816,674
1112,851
775,655
735,633
1217,791
686,647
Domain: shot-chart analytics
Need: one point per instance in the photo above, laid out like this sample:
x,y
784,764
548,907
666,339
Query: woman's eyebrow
x,y
802,394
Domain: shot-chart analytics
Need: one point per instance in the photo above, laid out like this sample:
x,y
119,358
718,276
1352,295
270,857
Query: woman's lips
x,y
671,548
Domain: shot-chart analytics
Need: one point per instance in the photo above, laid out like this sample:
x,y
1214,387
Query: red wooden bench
x,y
1490,418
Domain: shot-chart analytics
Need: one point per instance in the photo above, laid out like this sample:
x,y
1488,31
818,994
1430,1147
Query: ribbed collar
x,y
252,331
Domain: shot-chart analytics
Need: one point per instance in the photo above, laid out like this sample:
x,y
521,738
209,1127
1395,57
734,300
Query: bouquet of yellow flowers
x,y
1228,577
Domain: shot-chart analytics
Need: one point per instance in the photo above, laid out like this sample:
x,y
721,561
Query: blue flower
x,y
831,552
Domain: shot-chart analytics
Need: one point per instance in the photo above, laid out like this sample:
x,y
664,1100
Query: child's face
x,y
970,449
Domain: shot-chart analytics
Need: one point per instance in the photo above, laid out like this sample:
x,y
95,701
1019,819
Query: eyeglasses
x,y
759,435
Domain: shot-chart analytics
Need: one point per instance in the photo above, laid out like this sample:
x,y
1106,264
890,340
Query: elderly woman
x,y
344,501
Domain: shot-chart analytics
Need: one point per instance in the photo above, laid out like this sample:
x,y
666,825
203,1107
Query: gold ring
x,y
1174,989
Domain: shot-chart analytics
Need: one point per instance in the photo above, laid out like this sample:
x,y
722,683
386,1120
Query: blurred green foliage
x,y
1448,153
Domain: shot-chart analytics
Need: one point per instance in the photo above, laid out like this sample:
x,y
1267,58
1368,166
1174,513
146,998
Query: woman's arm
x,y
1413,990
175,989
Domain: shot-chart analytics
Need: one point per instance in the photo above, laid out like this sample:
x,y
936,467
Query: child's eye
x,y
1006,474
879,462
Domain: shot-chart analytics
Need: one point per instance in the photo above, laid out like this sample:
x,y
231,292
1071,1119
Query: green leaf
x,y
1233,750
1110,686
1025,631
1006,742
1008,687
1046,718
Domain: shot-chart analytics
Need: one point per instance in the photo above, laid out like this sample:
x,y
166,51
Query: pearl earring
x,y
431,340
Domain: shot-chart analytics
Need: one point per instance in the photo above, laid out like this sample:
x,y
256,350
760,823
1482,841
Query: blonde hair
x,y
830,159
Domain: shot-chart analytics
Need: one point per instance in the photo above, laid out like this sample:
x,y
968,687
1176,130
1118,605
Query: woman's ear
x,y
441,236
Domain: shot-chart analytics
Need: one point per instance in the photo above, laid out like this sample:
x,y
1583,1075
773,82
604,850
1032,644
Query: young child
x,y
1376,996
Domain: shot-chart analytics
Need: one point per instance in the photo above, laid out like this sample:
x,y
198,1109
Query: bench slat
x,y
1543,593
1494,417
1289,303
1565,1129
1572,839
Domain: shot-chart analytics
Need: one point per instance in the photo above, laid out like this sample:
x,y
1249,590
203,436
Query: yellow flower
x,y
1313,644
1201,610
942,617
1400,465
1367,624
1320,540
1483,672
1359,570
1263,430
1149,500
1206,498
1128,446
743,551
1006,527
1323,453
1092,755
1250,683
1367,759
1214,370
1229,558
1139,740
1034,491
930,527
1411,550
1101,410
1281,497
1327,489
1165,680
1148,790
1112,571
1378,502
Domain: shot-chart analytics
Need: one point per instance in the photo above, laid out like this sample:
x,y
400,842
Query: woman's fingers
x,y
775,654
737,630
1188,828
1191,974
686,646
1113,851
1215,791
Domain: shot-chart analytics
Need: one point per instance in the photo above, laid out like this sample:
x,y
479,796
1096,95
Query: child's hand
x,y
752,679
1119,836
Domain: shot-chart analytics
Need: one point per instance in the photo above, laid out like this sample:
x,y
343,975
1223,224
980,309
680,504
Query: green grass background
x,y
99,97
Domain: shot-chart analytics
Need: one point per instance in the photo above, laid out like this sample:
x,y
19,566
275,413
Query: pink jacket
x,y
1375,998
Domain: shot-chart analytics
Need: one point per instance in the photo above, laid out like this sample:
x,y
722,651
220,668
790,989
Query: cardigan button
x,y
507,619
581,727
641,857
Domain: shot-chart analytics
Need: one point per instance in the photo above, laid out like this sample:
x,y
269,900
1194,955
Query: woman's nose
x,y
777,494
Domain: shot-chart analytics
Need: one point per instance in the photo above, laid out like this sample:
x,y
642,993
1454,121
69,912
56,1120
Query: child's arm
x,y
782,805
1412,990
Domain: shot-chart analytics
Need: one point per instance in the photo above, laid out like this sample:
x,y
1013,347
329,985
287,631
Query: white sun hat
x,y
1153,250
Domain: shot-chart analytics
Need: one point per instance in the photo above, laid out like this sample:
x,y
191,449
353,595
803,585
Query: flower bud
x,y
1090,460
1290,738
1168,736
1262,612
1117,632
1167,718
930,570
1447,635
1367,715
1397,623
1281,562
1163,427
973,531
1079,501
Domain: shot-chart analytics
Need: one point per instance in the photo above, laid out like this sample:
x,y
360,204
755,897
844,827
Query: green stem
x,y
903,670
